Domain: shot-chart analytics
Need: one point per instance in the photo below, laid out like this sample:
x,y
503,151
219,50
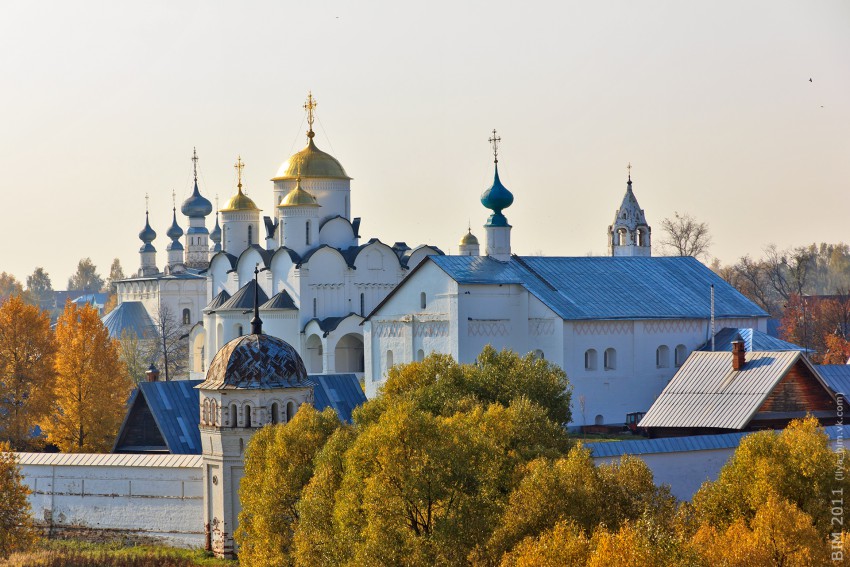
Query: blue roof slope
x,y
836,376
130,316
175,408
342,392
680,444
753,341
608,287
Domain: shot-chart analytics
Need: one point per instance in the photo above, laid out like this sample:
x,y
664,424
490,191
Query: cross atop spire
x,y
494,141
239,166
310,106
147,203
173,200
195,163
629,168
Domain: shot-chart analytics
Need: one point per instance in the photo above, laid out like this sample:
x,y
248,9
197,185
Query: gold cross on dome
x,y
309,106
239,166
195,162
494,140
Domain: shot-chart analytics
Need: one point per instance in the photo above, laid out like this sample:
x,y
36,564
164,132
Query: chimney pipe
x,y
152,374
738,353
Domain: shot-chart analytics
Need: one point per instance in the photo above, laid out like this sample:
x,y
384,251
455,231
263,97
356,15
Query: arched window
x,y
290,411
241,445
307,235
206,414
224,238
213,413
247,416
621,233
640,237
662,357
362,304
681,355
275,413
234,412
422,300
598,420
315,305
187,316
389,359
538,355
250,235
610,359
420,355
239,331
590,359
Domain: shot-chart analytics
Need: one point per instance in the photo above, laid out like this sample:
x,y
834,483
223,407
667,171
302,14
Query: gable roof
x,y
836,376
708,392
605,287
753,341
174,407
131,317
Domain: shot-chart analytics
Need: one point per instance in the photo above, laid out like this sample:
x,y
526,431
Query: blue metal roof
x,y
753,341
609,287
131,317
175,408
681,444
342,392
836,376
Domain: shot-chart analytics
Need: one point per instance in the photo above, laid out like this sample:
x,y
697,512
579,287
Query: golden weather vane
x,y
494,140
310,106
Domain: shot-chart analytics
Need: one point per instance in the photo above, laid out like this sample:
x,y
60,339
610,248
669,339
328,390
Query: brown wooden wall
x,y
798,390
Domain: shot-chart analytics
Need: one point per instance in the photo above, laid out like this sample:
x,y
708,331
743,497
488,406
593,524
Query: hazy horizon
x,y
711,103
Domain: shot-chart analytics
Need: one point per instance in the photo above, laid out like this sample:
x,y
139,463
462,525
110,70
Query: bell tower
x,y
629,235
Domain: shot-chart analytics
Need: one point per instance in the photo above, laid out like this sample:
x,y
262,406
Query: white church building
x,y
619,325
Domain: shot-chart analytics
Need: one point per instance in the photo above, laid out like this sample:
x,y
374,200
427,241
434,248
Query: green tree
x,y
116,273
796,464
26,370
17,532
91,386
278,464
40,290
86,278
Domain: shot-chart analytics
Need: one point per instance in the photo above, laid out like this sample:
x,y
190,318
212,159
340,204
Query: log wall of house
x,y
798,390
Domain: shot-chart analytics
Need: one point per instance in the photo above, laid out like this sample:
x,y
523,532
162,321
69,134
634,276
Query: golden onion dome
x,y
239,202
298,197
311,162
469,239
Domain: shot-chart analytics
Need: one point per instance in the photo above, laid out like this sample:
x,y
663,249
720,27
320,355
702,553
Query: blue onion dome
x,y
497,198
174,231
256,362
147,235
196,205
215,235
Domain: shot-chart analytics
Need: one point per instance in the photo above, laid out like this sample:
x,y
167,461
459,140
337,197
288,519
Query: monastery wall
x,y
157,496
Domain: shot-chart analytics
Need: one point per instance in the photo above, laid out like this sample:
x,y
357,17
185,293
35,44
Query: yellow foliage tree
x,y
564,544
26,370
16,528
91,386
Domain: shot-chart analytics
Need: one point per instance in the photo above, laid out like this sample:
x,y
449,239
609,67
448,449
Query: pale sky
x,y
710,101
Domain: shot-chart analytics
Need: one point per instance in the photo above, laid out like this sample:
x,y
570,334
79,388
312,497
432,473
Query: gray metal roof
x,y
281,300
175,407
218,300
682,444
836,376
753,340
131,317
609,287
342,392
707,392
244,298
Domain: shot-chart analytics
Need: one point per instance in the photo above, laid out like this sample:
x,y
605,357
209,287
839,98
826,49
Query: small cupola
x,y
497,198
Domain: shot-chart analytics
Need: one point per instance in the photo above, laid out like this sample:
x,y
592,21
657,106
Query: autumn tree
x,y
40,289
172,342
138,352
116,273
26,370
9,286
91,385
86,277
17,532
685,236
796,465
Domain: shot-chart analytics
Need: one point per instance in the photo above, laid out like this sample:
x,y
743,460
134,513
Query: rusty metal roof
x,y
707,392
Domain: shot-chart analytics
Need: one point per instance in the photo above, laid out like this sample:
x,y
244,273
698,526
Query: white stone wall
x,y
159,496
